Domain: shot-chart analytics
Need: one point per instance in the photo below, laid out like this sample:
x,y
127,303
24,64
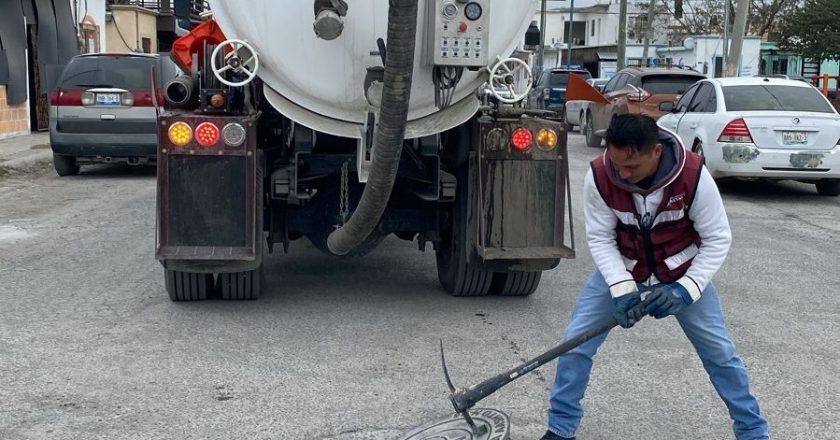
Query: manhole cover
x,y
495,424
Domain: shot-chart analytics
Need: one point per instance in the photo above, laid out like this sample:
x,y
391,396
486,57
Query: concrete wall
x,y
127,28
703,57
14,119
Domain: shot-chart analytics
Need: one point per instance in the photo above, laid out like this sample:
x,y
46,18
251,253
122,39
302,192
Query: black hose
x,y
399,67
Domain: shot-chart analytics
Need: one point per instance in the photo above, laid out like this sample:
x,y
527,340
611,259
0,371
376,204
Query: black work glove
x,y
626,312
667,300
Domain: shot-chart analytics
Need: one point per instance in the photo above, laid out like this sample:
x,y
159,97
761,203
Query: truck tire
x,y
245,285
515,283
187,286
592,139
65,165
456,275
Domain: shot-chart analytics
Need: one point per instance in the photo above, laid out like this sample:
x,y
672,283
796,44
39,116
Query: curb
x,y
35,161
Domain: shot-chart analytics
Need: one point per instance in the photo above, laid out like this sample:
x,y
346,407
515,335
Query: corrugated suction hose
x,y
399,66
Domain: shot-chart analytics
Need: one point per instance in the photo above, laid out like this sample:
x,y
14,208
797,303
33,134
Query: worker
x,y
655,222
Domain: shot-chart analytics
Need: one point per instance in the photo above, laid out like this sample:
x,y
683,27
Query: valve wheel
x,y
514,75
240,57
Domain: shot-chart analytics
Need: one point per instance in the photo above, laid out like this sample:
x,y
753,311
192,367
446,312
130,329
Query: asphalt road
x,y
92,348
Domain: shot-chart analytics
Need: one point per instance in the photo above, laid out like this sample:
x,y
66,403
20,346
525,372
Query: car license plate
x,y
107,99
794,137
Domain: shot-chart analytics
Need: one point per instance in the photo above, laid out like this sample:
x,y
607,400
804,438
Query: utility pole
x,y
571,28
541,55
725,49
650,33
622,34
738,31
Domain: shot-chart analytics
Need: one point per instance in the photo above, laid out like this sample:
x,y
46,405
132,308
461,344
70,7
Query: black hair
x,y
637,132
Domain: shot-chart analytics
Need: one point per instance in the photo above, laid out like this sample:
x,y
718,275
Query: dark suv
x,y
638,90
549,91
101,111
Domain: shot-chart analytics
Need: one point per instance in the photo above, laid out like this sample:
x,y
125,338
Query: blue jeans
x,y
702,323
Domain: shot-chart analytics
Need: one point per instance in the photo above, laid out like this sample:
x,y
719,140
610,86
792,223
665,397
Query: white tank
x,y
319,83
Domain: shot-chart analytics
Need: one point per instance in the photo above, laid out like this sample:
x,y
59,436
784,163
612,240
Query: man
x,y
654,221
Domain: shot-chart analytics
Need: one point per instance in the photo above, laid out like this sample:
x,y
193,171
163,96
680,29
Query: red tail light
x,y
207,134
56,92
143,98
61,97
521,139
639,96
736,131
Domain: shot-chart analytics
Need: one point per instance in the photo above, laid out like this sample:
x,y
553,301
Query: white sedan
x,y
575,110
760,127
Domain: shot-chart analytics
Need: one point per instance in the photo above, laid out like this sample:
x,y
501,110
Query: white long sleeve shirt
x,y
707,213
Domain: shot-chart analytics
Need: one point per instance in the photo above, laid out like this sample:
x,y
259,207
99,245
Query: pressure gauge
x,y
450,10
473,11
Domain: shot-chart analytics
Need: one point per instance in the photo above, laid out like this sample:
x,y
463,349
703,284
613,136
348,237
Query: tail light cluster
x,y
206,134
736,131
638,96
522,139
82,97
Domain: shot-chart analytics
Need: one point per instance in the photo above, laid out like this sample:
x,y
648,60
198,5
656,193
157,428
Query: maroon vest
x,y
668,243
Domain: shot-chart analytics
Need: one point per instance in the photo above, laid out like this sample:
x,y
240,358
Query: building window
x,y
147,45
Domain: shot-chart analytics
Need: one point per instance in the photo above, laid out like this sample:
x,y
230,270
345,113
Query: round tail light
x,y
546,139
207,134
233,134
180,134
521,139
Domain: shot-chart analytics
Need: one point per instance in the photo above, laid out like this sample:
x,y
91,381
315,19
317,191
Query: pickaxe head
x,y
462,406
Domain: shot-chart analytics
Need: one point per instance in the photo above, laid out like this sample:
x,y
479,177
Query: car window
x,y
682,104
562,78
621,82
775,97
610,86
701,102
668,84
119,72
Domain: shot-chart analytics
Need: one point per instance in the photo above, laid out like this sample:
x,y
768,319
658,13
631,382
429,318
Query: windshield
x,y
118,72
562,78
775,97
668,84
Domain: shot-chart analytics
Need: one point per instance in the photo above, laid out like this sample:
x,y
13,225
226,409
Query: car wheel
x,y
65,165
592,140
245,285
829,187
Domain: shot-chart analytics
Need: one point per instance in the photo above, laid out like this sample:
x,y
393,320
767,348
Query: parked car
x,y
549,91
101,111
637,90
761,127
577,108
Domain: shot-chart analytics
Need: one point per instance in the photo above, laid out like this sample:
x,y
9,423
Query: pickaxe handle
x,y
465,399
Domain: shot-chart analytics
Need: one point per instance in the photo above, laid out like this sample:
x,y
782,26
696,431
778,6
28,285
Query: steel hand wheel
x,y
510,80
240,57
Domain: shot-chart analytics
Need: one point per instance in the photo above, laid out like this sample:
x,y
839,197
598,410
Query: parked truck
x,y
346,122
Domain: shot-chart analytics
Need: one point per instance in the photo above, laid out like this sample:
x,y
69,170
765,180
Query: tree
x,y
703,17
814,30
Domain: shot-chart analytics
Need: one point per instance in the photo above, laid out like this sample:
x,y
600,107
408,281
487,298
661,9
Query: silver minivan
x,y
102,111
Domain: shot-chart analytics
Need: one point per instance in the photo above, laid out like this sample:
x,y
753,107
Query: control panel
x,y
459,33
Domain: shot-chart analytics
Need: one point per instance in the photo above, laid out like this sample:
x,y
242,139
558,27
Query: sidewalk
x,y
25,153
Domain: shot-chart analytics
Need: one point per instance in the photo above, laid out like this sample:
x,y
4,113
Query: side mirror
x,y
667,107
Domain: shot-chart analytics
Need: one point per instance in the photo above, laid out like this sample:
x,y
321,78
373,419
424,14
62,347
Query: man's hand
x,y
626,312
667,300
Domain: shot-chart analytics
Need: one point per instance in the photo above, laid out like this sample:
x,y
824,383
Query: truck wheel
x,y
245,285
828,188
456,275
65,165
515,283
187,286
592,140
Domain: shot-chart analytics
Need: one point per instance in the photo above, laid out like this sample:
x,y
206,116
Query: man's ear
x,y
657,149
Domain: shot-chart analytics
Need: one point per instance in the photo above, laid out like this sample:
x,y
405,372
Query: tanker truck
x,y
344,122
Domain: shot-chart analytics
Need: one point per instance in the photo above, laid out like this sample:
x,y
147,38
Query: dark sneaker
x,y
552,436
